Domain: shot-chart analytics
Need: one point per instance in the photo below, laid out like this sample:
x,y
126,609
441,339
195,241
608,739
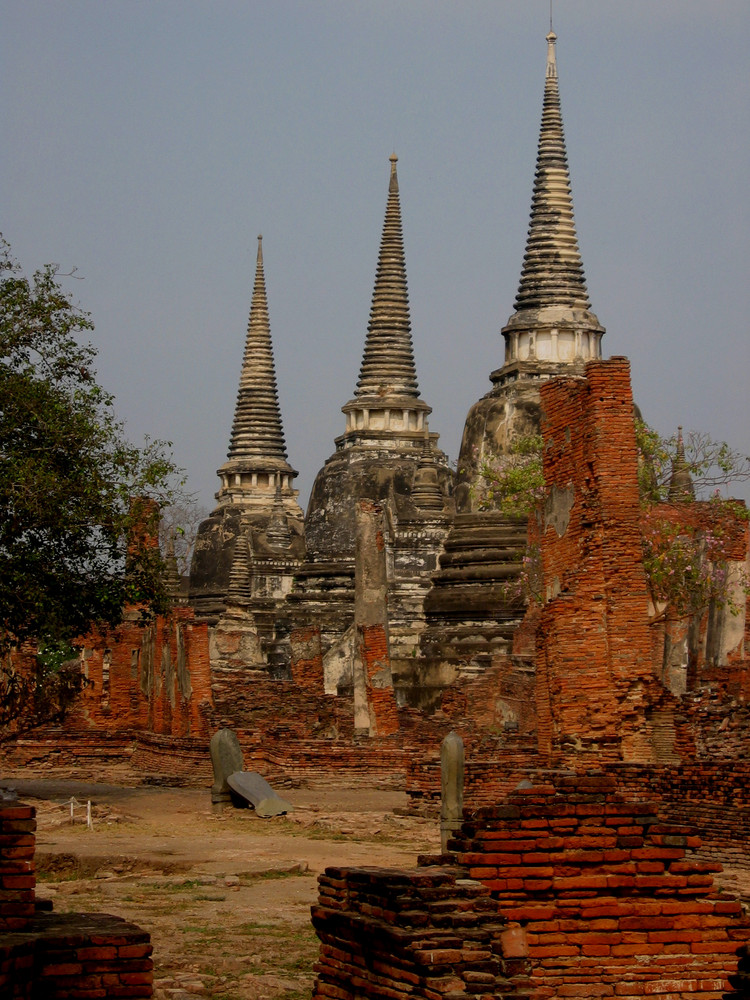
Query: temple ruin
x,y
606,770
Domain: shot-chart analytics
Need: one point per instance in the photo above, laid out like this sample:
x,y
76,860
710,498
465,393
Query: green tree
x,y
68,476
713,466
513,483
687,562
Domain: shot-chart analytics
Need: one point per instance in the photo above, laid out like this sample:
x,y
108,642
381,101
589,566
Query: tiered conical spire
x,y
552,270
240,589
278,532
553,328
388,363
426,492
681,486
256,460
257,431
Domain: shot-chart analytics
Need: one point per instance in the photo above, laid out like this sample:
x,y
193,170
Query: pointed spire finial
x,y
551,55
681,482
393,183
257,430
552,271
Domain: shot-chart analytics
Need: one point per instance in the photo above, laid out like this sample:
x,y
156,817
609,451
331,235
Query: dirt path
x,y
225,897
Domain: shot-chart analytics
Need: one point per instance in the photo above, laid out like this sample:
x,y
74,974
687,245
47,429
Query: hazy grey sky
x,y
148,142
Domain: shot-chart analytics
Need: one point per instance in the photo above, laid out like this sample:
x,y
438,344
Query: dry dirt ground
x,y
226,897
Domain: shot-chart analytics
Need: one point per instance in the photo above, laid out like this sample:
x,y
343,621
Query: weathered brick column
x,y
594,648
613,901
374,698
17,878
59,956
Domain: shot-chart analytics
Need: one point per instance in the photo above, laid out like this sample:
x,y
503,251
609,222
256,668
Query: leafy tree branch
x,y
68,475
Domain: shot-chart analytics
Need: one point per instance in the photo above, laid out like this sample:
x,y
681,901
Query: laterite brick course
x,y
17,875
613,900
423,933
565,889
593,635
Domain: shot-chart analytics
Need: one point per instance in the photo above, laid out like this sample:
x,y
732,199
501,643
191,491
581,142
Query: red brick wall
x,y
17,878
82,955
594,647
563,890
381,701
307,659
388,934
711,795
613,900
501,699
155,676
56,956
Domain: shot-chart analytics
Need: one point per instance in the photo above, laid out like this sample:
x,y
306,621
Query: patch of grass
x,y
62,875
249,878
199,929
190,885
302,949
266,930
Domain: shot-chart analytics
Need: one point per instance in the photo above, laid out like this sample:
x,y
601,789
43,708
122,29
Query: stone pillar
x,y
226,759
452,787
307,659
374,700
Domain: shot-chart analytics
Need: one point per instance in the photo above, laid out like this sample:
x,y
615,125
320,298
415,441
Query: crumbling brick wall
x,y
60,955
711,795
426,933
500,700
17,879
595,896
376,666
613,900
594,648
152,676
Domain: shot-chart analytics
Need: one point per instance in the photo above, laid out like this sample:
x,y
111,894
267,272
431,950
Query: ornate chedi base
x,y
474,607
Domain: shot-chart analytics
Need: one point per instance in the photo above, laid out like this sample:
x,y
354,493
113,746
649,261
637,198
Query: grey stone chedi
x,y
386,454
247,551
551,332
